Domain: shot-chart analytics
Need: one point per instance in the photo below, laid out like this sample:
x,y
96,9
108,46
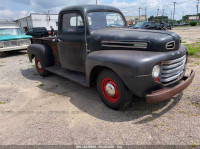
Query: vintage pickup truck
x,y
95,47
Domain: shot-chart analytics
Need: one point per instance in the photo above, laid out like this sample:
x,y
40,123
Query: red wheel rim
x,y
108,97
38,65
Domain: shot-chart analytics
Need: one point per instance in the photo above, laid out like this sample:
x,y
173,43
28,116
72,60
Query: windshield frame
x,y
118,12
19,31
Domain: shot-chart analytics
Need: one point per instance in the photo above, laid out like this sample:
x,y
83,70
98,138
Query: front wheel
x,y
39,68
113,91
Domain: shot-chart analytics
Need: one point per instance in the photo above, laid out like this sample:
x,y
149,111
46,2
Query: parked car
x,y
38,32
119,61
12,38
147,25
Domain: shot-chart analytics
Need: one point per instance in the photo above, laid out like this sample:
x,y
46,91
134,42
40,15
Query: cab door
x,y
71,41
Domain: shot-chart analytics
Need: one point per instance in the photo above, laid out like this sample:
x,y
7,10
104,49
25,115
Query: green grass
x,y
2,102
193,48
184,42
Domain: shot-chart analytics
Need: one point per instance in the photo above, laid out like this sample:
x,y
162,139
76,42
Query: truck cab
x,y
95,47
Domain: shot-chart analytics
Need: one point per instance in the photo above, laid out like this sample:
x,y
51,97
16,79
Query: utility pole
x,y
139,12
96,2
163,12
157,12
171,15
145,13
197,7
174,9
182,16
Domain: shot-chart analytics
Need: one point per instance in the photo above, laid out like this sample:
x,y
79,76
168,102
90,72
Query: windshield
x,y
140,24
99,20
10,31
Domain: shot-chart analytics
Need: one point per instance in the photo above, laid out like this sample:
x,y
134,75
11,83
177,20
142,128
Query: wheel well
x,y
32,56
94,73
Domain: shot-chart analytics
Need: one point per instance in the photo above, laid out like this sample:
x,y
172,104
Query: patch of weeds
x,y
169,128
155,125
193,48
189,115
33,66
194,145
184,42
41,85
197,63
198,56
162,124
171,117
196,105
2,102
181,111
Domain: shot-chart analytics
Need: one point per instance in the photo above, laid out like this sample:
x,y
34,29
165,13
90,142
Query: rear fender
x,y
43,52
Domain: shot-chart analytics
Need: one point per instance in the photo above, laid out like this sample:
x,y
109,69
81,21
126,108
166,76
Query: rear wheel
x,y
39,68
113,91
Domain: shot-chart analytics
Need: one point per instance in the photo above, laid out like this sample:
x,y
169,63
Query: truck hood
x,y
14,37
132,39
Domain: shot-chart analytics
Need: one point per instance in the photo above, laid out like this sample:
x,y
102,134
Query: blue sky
x,y
14,9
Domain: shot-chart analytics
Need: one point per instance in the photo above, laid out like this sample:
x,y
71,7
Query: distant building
x,y
135,19
38,20
193,18
3,23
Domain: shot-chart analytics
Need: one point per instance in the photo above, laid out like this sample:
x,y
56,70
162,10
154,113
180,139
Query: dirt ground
x,y
56,111
188,34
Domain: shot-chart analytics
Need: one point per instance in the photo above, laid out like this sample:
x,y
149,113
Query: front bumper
x,y
166,93
13,48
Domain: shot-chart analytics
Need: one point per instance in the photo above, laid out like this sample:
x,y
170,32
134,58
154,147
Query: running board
x,y
75,76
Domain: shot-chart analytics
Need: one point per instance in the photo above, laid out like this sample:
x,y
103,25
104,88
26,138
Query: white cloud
x,y
128,7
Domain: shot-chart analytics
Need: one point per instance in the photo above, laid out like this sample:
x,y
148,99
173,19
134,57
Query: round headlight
x,y
156,71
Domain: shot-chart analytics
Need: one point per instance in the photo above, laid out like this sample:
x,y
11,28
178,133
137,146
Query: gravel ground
x,y
188,34
55,111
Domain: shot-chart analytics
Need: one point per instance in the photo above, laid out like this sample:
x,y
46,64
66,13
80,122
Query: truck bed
x,y
51,44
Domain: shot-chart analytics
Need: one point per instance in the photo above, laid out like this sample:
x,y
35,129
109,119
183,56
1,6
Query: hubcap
x,y
39,65
110,89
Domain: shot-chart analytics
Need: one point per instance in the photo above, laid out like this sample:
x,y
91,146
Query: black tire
x,y
122,97
39,68
2,54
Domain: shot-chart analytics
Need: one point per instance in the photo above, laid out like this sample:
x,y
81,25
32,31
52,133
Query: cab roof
x,y
87,8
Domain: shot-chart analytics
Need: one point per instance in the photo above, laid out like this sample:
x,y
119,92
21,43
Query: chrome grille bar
x,y
172,70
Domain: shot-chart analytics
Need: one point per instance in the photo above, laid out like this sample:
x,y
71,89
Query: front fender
x,y
133,67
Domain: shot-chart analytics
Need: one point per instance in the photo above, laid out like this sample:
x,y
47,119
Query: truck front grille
x,y
172,70
13,43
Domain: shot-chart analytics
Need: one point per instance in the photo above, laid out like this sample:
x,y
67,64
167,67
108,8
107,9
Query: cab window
x,y
72,22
